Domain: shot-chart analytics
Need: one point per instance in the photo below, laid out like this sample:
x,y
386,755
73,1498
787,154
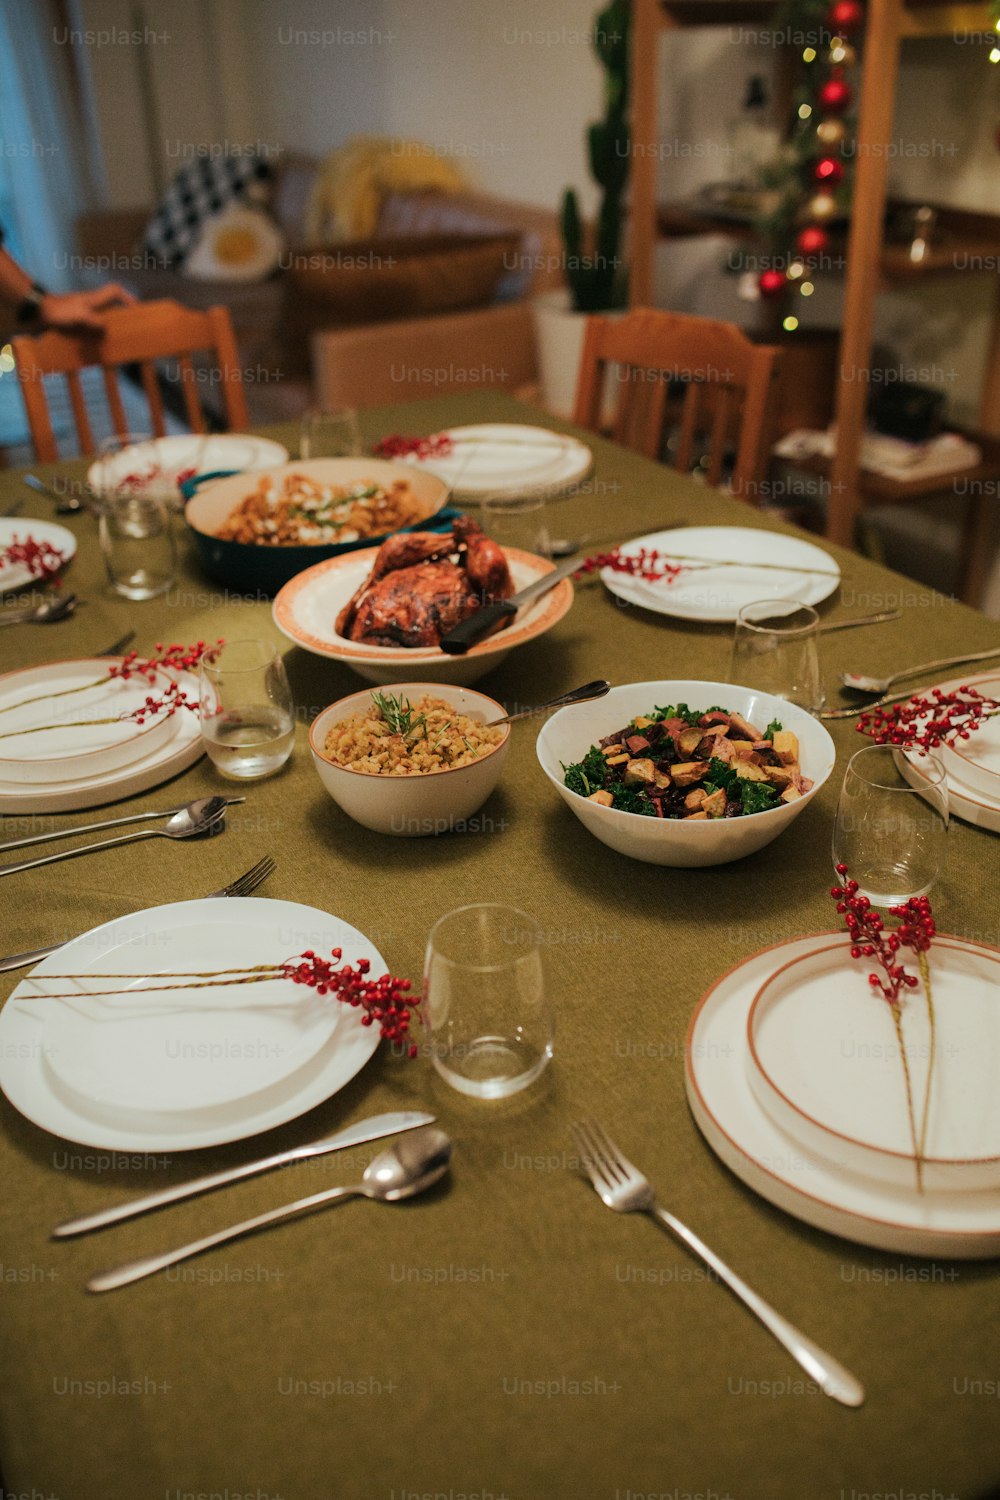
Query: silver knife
x,y
465,634
354,1135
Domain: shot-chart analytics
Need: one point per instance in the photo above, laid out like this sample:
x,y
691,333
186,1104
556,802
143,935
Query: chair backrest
x,y
729,386
136,335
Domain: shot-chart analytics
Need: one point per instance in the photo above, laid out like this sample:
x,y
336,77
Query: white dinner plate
x,y
86,705
159,764
166,462
965,1225
493,458
824,1062
252,929
307,607
718,594
973,798
19,529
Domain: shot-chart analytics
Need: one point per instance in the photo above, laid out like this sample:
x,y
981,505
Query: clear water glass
x,y
891,829
247,715
518,521
775,651
485,1007
137,543
330,434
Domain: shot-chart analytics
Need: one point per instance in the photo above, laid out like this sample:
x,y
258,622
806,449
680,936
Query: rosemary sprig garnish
x,y
399,714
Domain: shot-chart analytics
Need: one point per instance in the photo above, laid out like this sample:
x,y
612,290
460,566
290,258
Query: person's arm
x,y
36,308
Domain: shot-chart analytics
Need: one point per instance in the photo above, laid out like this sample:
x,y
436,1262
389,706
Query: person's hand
x,y
74,311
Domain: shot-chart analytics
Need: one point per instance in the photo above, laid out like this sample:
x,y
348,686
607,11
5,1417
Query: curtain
x,y
43,178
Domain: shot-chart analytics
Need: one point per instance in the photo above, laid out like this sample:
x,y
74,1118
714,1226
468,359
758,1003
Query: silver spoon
x,y
66,504
196,810
59,607
859,683
210,818
414,1163
578,695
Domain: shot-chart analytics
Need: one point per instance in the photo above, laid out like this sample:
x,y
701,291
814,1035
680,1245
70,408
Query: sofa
x,y
439,299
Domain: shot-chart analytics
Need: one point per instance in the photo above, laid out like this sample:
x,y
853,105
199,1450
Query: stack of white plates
x,y
795,1077
495,458
973,767
147,1068
83,762
18,529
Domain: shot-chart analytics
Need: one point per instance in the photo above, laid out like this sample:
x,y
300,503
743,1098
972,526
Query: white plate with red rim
x,y
495,458
17,529
717,594
212,1072
156,765
67,720
964,1224
824,1062
307,607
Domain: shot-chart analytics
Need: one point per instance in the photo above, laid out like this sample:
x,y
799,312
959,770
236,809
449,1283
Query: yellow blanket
x,y
352,182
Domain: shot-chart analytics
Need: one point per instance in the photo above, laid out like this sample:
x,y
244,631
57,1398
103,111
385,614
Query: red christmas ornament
x,y
812,240
828,171
834,95
845,16
772,283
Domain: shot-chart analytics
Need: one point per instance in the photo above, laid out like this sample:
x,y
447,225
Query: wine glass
x,y
247,716
485,1000
774,651
892,823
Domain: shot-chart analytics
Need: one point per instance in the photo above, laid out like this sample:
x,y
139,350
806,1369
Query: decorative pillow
x,y
238,244
202,188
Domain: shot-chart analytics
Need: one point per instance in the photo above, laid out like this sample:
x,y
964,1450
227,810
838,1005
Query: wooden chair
x,y
729,398
138,335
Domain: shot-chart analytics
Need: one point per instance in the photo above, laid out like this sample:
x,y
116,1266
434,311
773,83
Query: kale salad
x,y
677,762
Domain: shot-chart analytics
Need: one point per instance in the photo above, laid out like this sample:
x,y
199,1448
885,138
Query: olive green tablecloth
x,y
508,1336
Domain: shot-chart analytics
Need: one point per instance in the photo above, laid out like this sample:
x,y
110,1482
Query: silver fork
x,y
623,1188
243,885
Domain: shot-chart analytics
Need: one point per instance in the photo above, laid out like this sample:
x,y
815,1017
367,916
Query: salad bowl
x,y
681,842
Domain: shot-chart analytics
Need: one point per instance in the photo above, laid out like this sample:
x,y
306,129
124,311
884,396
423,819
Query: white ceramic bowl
x,y
308,605
411,806
568,735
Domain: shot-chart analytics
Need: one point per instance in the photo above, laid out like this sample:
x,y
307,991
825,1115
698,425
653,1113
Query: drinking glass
x,y
485,1005
890,834
518,521
774,651
247,718
137,543
330,434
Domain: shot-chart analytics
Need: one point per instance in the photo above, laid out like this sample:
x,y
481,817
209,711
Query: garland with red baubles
x,y
812,179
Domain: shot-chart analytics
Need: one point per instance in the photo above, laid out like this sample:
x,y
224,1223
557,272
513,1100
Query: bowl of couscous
x,y
410,759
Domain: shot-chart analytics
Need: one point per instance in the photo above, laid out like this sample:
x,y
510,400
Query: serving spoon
x,y
859,683
578,695
413,1164
209,816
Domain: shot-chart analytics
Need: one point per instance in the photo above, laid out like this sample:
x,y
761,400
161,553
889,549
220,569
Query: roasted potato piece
x,y
640,773
742,749
604,799
696,798
780,776
691,817
619,760
685,772
791,794
749,772
689,739
785,745
715,805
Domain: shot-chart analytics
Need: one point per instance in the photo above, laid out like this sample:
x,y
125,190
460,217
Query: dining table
x,y
503,1335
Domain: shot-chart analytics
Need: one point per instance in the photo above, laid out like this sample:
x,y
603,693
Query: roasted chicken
x,y
423,584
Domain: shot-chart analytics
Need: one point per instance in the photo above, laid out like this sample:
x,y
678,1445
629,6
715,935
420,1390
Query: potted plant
x,y
593,263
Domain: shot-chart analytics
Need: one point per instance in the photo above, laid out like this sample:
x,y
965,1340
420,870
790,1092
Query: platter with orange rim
x,y
306,611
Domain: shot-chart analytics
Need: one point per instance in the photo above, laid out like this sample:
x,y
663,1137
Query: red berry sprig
x,y
385,1002
927,722
41,559
870,939
647,563
397,445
